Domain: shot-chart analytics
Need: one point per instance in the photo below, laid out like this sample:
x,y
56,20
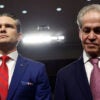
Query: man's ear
x,y
19,36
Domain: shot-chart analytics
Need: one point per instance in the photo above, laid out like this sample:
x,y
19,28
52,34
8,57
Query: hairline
x,y
17,21
85,10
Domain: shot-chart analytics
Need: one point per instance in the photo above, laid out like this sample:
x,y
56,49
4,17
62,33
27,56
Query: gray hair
x,y
84,10
18,23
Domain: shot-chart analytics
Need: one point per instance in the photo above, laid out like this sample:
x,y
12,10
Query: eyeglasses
x,y
87,30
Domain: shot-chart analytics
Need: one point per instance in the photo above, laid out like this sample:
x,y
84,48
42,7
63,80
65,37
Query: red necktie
x,y
95,79
3,78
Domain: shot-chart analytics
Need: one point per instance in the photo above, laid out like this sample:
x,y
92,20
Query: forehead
x,y
92,15
6,19
92,18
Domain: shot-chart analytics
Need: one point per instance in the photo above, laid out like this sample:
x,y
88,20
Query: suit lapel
x,y
19,70
82,80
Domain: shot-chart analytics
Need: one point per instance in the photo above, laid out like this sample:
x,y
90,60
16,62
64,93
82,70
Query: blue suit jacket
x,y
72,83
29,81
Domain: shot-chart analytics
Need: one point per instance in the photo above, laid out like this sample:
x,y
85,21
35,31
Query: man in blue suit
x,y
27,79
73,81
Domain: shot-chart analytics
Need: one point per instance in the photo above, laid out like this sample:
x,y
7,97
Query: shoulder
x,y
30,62
70,68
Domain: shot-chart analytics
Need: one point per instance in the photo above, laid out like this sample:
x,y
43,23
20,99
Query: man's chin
x,y
3,42
92,53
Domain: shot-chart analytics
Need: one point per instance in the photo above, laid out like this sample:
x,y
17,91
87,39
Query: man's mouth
x,y
91,44
3,36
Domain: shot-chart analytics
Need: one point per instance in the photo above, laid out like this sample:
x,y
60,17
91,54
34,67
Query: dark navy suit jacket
x,y
29,81
72,83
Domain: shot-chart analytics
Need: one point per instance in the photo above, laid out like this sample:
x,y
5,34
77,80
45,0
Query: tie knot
x,y
4,58
94,61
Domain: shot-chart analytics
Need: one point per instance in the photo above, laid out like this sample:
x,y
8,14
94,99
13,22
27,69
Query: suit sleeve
x,y
43,90
59,88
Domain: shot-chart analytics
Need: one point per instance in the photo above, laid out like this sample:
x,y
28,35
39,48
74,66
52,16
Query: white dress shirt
x,y
88,65
11,64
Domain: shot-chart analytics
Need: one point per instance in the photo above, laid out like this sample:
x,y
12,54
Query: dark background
x,y
42,13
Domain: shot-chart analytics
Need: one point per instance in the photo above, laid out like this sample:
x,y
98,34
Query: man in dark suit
x,y
73,81
27,79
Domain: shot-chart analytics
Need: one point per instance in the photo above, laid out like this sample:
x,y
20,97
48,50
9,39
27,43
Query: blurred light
x,y
59,9
88,0
61,37
43,27
2,6
40,39
24,12
36,39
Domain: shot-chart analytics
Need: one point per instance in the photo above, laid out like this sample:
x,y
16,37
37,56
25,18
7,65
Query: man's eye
x,y
97,30
9,26
86,30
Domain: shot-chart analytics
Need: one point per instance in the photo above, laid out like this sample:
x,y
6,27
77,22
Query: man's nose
x,y
92,36
2,29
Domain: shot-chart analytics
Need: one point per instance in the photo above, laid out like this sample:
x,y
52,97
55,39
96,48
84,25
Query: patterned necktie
x,y
3,78
95,79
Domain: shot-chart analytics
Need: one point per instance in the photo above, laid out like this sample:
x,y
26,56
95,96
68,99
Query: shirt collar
x,y
13,55
86,57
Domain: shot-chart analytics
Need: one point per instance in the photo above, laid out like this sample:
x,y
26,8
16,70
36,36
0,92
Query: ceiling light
x,y
59,9
24,12
2,6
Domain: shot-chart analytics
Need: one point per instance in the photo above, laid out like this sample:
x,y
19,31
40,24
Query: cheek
x,y
14,36
99,39
83,38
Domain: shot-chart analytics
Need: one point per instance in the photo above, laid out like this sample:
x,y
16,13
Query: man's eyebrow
x,y
7,25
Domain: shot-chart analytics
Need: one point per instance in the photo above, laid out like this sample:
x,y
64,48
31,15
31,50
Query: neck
x,y
94,55
4,50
